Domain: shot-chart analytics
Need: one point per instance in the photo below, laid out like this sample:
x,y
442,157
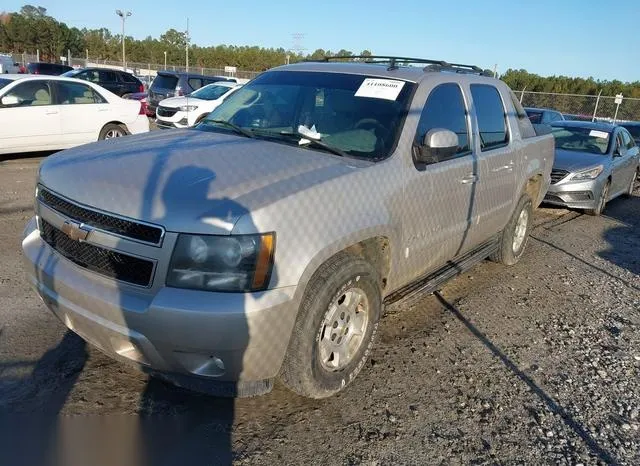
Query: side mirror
x,y
437,145
617,152
10,100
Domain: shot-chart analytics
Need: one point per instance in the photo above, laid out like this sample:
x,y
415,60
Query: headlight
x,y
222,263
188,108
590,174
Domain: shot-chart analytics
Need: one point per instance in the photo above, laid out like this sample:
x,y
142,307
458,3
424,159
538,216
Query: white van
x,y
7,65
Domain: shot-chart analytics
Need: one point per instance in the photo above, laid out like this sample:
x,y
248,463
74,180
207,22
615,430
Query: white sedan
x,y
53,113
189,110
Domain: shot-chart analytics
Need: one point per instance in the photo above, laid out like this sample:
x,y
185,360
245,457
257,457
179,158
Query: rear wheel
x,y
335,328
126,96
516,234
602,201
112,130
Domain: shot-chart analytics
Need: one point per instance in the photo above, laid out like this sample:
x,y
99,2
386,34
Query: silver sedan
x,y
594,163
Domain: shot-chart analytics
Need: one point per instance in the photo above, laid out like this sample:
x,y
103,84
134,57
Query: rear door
x,y
439,196
496,152
33,123
83,112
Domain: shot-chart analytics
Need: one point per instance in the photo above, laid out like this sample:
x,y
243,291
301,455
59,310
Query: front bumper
x,y
575,195
177,120
210,336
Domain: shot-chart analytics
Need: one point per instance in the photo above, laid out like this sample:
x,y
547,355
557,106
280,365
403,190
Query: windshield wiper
x,y
315,142
236,128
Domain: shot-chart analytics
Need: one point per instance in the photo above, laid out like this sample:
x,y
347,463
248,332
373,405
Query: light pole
x,y
165,59
124,15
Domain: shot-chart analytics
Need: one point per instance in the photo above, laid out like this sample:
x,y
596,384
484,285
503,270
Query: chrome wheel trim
x,y
520,232
343,329
114,133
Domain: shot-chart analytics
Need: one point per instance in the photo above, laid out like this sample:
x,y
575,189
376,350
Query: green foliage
x,y
521,79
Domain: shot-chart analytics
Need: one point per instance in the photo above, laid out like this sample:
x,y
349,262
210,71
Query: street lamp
x,y
165,59
124,15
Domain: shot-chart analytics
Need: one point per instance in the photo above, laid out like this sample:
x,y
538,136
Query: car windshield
x,y
210,92
634,130
535,117
348,114
71,74
4,82
586,140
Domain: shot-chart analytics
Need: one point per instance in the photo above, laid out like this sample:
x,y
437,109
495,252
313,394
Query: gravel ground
x,y
537,363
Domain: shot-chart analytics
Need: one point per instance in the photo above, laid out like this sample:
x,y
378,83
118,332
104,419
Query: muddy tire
x,y
515,235
111,130
602,201
335,328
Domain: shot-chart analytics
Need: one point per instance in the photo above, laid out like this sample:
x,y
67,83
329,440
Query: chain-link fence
x,y
584,107
143,69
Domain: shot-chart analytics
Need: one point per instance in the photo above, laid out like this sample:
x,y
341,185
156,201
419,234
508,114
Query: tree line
x,y
33,29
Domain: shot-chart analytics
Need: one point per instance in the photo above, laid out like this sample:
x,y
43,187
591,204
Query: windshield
x,y
348,113
582,140
4,82
210,92
71,74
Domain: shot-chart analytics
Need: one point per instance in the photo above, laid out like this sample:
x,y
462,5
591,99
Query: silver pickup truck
x,y
265,242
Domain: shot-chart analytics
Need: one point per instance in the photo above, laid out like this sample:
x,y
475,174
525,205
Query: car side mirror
x,y
437,145
10,100
616,152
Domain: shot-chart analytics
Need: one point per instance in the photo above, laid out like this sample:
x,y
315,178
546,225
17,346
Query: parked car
x,y
543,116
51,69
594,163
8,65
266,241
119,82
51,113
187,111
634,129
175,84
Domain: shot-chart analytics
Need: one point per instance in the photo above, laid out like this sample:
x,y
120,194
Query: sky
x,y
548,37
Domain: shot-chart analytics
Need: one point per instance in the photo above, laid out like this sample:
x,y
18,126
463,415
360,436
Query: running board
x,y
430,283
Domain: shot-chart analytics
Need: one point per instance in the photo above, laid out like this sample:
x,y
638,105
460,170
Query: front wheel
x,y
112,131
515,235
602,201
335,328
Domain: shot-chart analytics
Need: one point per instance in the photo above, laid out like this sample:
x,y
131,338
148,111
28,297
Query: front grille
x,y
126,228
103,261
558,175
166,111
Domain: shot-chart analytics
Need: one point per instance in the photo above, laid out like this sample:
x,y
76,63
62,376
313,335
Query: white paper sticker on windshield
x,y
599,134
388,89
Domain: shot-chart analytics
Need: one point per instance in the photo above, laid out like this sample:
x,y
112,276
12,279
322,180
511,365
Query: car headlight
x,y
237,263
188,108
589,174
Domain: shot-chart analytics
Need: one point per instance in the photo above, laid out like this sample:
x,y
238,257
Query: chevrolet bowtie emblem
x,y
75,231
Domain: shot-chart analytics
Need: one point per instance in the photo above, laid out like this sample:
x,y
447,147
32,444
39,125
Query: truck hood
x,y
573,161
187,180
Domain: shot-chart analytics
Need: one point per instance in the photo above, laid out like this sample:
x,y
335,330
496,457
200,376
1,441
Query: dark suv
x,y
175,83
52,69
116,81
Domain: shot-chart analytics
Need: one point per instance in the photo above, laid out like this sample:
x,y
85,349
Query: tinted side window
x,y
445,108
195,83
107,76
76,93
626,139
126,77
490,112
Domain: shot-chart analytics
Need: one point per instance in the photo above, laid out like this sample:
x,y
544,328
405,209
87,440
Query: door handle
x,y
469,179
103,109
503,168
51,112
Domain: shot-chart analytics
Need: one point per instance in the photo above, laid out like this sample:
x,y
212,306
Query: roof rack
x,y
394,62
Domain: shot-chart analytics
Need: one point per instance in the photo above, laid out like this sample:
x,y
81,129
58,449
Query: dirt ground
x,y
534,364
